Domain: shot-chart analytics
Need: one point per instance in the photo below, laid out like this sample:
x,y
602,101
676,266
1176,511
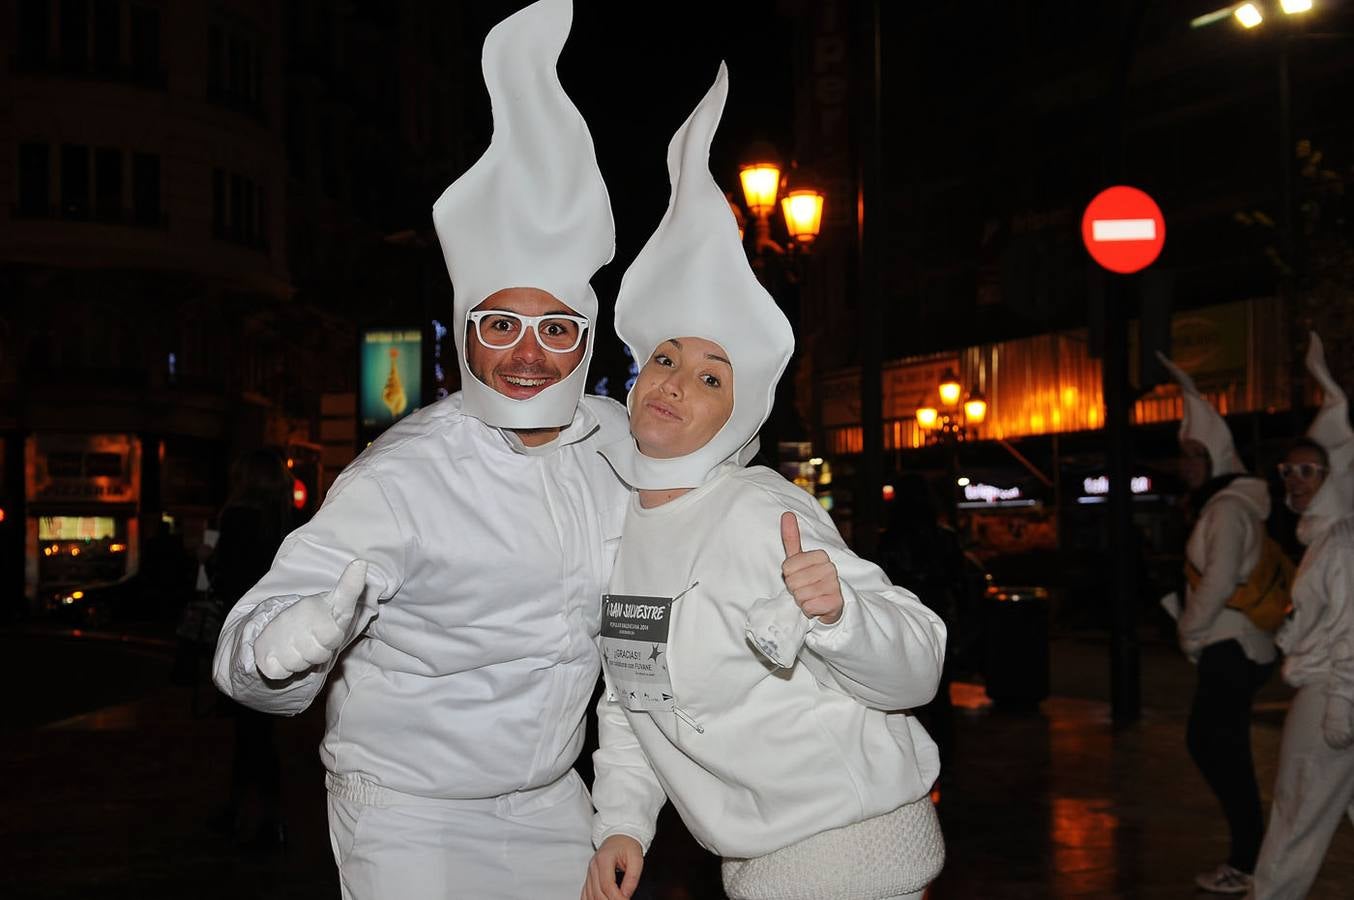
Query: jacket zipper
x,y
681,714
677,710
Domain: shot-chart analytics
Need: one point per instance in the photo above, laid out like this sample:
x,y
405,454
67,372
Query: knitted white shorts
x,y
890,856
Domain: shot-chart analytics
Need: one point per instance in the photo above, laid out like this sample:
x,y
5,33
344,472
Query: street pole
x,y
867,500
1286,243
1125,681
952,480
1125,686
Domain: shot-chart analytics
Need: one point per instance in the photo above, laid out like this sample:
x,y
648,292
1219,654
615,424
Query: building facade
x,y
191,236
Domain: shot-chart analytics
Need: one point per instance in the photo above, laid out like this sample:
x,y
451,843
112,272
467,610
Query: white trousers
x,y
535,844
1314,789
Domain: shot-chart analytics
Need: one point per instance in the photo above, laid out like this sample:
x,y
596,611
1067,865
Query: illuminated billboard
x,y
391,375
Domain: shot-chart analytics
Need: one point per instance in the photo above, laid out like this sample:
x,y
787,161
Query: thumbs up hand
x,y
310,631
811,577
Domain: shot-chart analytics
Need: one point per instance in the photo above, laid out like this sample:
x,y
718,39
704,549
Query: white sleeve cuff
x,y
776,626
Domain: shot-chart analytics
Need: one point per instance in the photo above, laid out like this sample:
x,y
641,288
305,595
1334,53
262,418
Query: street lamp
x,y
953,421
778,267
949,425
1249,15
762,178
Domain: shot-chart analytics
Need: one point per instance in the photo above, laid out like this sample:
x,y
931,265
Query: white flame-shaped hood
x,y
1202,423
692,279
1335,498
532,212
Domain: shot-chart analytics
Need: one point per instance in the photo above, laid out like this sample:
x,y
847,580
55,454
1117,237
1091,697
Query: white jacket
x,y
1225,547
756,757
1318,638
478,658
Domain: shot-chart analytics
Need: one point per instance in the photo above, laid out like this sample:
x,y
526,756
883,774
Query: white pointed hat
x,y
532,212
1202,423
692,279
1331,429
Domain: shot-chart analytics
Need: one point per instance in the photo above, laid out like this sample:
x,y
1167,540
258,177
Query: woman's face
x,y
1302,470
682,397
1195,465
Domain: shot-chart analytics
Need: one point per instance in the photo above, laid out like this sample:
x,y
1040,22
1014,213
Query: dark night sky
x,y
636,70
991,108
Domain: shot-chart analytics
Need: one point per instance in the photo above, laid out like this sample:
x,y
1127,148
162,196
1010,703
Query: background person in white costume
x,y
474,538
1234,657
1314,789
756,668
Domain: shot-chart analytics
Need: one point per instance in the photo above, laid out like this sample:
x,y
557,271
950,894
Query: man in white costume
x,y
1233,655
757,669
1314,789
448,587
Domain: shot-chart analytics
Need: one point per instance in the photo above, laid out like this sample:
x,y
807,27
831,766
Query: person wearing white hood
x,y
1315,785
757,671
1234,656
474,538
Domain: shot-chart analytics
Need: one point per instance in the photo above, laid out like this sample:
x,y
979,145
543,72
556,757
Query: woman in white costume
x,y
1233,655
757,670
1315,785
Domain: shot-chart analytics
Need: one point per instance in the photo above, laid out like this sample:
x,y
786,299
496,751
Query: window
x,y
34,180
236,207
215,63
75,34
218,203
235,69
146,189
238,210
108,184
74,181
146,43
34,33
90,39
296,141
107,35
330,181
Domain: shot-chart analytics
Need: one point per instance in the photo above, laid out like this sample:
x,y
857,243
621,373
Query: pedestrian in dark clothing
x,y
1234,655
924,556
255,519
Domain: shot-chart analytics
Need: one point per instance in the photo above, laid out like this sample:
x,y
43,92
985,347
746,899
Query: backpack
x,y
1266,597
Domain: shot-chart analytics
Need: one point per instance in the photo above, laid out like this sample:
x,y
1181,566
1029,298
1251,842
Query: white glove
x,y
1338,722
1192,647
310,631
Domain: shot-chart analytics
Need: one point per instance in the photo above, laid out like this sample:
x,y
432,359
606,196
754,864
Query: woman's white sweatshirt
x,y
755,756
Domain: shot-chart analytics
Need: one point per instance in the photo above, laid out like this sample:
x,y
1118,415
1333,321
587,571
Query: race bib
x,y
635,650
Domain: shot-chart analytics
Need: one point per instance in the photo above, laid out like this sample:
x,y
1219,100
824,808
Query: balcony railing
x,y
134,218
252,241
155,78
244,104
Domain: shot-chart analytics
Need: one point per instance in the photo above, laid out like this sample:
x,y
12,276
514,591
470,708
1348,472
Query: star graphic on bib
x,y
653,655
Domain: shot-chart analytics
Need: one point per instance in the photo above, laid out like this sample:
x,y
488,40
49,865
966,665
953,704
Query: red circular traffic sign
x,y
1123,229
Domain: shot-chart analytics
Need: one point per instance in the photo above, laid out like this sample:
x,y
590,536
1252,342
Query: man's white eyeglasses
x,y
500,329
1304,470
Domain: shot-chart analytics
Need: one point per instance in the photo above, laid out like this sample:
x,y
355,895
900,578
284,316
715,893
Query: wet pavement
x,y
114,772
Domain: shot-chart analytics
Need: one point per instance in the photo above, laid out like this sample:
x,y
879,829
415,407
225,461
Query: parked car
x,y
96,604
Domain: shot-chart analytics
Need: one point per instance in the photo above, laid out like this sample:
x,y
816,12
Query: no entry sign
x,y
1123,229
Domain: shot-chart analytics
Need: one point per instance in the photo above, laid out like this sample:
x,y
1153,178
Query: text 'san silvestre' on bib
x,y
635,649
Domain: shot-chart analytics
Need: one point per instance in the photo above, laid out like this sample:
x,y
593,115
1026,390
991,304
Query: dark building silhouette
x,y
200,205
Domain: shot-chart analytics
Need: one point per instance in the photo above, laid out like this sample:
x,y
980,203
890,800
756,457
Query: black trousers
x,y
1219,740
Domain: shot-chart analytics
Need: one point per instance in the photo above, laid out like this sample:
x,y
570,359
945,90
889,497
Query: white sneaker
x,y
1224,880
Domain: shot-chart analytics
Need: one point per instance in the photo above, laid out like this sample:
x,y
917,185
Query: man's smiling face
x,y
525,369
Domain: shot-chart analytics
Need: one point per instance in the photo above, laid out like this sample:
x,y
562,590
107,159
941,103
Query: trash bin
x,y
1015,646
